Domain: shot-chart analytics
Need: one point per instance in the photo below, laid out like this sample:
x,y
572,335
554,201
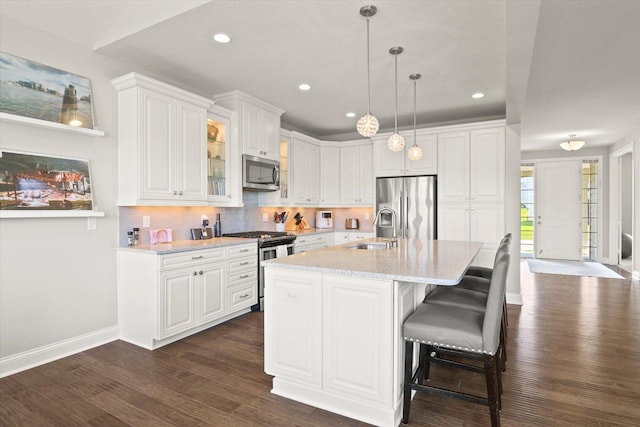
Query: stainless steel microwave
x,y
260,174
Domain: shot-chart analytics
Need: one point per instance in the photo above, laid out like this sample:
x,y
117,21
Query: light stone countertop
x,y
441,262
188,245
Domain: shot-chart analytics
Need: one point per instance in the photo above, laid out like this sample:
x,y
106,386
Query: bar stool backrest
x,y
493,311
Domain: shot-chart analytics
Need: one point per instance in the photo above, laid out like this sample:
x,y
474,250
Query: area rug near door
x,y
571,268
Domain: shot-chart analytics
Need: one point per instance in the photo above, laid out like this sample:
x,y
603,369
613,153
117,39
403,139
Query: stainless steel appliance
x,y
260,174
271,244
324,219
407,204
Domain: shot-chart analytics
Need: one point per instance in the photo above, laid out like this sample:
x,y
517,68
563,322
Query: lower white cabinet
x,y
343,237
312,242
162,298
189,297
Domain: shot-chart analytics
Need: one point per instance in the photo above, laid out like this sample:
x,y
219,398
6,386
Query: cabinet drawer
x,y
184,259
242,264
243,250
242,297
243,276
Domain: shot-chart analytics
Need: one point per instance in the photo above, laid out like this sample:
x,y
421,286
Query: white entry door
x,y
558,210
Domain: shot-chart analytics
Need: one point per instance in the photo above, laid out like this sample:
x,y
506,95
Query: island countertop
x,y
441,262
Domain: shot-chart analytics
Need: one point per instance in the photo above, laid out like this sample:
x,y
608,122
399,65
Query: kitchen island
x,y
333,321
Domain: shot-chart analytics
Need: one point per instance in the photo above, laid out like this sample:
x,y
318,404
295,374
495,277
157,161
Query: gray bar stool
x,y
460,332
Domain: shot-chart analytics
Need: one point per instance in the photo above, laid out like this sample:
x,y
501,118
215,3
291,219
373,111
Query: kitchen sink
x,y
368,246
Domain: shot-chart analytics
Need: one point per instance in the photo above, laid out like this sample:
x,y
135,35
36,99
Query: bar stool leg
x,y
408,374
492,392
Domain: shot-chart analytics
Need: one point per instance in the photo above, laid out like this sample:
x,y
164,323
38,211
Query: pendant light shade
x,y
368,124
396,141
415,152
572,144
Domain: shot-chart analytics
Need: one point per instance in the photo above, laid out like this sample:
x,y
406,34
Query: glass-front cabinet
x,y
285,145
223,159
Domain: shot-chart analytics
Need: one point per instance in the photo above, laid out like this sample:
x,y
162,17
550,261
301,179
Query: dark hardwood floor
x,y
574,360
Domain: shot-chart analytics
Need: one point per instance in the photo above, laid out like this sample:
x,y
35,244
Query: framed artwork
x,y
34,90
34,182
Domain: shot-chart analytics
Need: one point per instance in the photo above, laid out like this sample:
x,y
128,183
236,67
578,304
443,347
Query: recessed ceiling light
x,y
351,114
304,86
222,38
477,95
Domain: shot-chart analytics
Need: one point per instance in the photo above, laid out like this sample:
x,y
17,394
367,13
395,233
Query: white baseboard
x,y
48,353
515,299
635,275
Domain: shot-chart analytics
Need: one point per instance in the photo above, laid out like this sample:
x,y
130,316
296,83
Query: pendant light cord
x,y
368,70
396,115
414,112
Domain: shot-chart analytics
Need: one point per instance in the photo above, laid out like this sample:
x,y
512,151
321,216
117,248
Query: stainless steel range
x,y
271,244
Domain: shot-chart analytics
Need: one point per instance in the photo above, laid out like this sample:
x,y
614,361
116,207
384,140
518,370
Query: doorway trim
x,y
614,202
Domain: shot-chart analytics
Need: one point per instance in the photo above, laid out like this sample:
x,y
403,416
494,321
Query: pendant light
x,y
368,124
396,141
415,152
572,144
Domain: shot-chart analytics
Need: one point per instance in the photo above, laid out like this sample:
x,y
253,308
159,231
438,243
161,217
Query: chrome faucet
x,y
393,218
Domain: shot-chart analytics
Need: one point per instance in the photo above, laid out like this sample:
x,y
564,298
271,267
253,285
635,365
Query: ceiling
x,y
554,67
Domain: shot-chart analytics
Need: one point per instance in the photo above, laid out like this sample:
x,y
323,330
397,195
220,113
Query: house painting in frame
x,y
34,90
34,182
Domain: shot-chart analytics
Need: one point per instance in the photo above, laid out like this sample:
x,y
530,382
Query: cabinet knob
x,y
175,193
180,193
195,273
200,272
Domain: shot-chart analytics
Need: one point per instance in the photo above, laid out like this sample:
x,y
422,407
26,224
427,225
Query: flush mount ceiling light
x,y
415,152
396,141
477,95
304,87
222,38
572,144
368,124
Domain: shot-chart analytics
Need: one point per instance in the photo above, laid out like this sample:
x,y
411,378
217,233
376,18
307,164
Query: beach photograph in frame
x,y
35,182
34,90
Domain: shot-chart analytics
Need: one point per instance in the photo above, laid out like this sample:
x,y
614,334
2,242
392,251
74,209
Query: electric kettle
x,y
352,224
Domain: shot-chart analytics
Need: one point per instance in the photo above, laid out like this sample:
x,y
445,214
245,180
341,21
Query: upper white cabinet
x,y
257,124
390,163
471,186
472,166
330,176
356,175
161,143
305,170
224,185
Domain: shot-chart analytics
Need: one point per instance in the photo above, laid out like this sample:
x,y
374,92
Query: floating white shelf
x,y
49,214
51,125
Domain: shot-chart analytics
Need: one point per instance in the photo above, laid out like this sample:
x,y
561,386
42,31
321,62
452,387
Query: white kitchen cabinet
x,y
306,171
390,163
224,159
257,124
471,187
163,298
295,324
330,177
311,242
161,143
190,296
342,237
355,323
356,175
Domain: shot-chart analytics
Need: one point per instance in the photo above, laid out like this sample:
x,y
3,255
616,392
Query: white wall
x,y
512,222
626,193
57,278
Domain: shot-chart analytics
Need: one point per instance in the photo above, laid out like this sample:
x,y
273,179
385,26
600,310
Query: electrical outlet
x,y
366,215
265,217
146,222
203,217
92,223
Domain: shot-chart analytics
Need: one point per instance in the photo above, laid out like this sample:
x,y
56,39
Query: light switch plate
x,y
92,223
146,222
265,217
366,215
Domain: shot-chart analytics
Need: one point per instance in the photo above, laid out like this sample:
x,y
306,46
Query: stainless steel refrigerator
x,y
413,201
